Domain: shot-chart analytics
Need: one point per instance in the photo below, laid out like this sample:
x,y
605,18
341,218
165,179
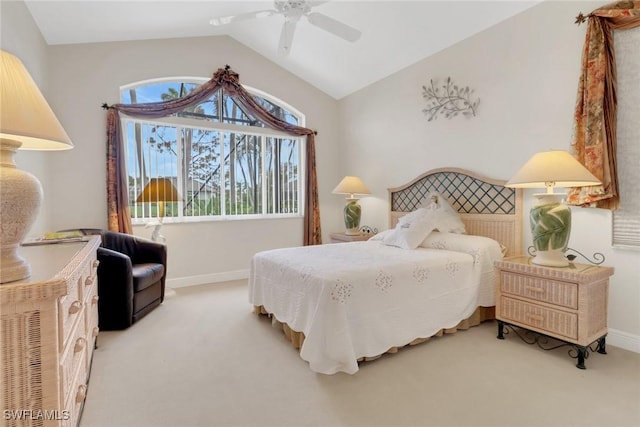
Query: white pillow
x,y
460,242
411,231
381,235
447,219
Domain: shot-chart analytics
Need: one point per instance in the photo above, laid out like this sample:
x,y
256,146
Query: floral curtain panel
x,y
119,215
595,117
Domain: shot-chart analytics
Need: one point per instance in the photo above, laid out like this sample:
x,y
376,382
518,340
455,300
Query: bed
x,y
344,303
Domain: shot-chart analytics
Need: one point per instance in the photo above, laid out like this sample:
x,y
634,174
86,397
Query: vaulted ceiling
x,y
395,34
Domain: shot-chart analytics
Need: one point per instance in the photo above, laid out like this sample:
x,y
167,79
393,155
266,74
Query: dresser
x,y
48,330
566,303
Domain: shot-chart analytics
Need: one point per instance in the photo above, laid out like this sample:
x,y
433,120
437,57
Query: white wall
x,y
20,36
525,71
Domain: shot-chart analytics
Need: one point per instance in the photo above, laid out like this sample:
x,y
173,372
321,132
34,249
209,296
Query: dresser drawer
x,y
557,322
91,320
555,292
70,307
75,398
73,359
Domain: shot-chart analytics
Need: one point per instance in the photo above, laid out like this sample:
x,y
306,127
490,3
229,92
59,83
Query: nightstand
x,y
568,303
342,237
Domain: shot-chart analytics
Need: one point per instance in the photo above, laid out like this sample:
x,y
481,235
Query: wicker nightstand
x,y
569,304
342,237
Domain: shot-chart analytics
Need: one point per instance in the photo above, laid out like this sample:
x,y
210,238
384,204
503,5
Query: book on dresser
x,y
48,331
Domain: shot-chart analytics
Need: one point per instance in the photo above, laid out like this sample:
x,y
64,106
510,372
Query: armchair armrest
x,y
138,249
115,289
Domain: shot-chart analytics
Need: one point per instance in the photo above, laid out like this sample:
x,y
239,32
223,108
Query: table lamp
x,y
351,185
159,191
550,217
27,123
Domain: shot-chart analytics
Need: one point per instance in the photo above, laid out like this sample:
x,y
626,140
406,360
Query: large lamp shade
x,y
28,123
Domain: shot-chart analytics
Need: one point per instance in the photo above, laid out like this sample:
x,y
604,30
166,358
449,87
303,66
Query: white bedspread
x,y
359,299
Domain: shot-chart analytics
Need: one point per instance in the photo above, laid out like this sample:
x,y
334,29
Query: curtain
x,y
594,141
119,216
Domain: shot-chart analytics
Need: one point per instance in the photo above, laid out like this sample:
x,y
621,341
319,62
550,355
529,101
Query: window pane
x,y
281,164
233,113
242,174
201,188
155,92
151,153
277,111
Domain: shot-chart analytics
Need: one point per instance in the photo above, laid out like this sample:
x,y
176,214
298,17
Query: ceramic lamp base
x,y
550,221
20,198
552,258
352,214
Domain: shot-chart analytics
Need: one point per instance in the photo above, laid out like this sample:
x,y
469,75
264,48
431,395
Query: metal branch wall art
x,y
449,100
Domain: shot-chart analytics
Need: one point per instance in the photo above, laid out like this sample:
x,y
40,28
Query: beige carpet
x,y
204,359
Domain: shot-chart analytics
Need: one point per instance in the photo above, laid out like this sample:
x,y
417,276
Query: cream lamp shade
x,y
159,191
28,123
554,168
550,218
351,185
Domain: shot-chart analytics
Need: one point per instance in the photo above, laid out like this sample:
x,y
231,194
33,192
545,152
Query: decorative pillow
x,y
448,219
466,243
411,230
381,235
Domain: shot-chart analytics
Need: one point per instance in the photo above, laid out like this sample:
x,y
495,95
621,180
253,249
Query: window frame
x,y
262,133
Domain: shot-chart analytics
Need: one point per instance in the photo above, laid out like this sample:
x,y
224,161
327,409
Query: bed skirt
x,y
297,338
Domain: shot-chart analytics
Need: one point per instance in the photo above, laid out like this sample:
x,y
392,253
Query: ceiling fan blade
x,y
286,36
223,20
334,27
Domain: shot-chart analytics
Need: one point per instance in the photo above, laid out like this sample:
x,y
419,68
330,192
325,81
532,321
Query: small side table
x,y
342,237
568,303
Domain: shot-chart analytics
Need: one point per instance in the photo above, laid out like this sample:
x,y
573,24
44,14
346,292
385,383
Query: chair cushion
x,y
145,275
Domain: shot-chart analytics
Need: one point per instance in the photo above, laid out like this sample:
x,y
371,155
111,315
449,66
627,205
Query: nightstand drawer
x,y
557,322
540,289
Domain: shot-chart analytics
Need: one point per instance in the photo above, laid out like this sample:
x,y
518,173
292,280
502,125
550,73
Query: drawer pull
x,y
536,290
89,280
82,393
80,344
95,332
75,307
95,263
535,317
95,299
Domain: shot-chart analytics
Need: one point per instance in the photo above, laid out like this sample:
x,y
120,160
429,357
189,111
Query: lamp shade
x,y
351,185
552,168
158,190
25,115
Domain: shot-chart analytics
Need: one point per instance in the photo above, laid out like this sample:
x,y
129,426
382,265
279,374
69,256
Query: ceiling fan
x,y
293,10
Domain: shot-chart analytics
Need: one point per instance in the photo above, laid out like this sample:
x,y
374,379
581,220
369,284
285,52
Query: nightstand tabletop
x,y
574,272
344,237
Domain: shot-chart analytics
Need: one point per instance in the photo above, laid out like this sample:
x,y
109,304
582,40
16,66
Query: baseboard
x,y
623,340
202,279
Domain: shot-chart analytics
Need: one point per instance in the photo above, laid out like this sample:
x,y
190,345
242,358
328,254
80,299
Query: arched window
x,y
223,162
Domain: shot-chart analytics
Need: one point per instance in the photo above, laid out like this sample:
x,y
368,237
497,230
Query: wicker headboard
x,y
486,206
